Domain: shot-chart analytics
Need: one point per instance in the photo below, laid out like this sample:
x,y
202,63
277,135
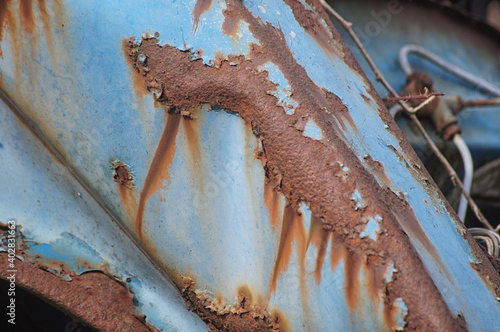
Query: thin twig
x,y
422,105
411,97
379,77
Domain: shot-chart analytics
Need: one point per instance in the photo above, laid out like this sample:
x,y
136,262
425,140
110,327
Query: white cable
x,y
468,172
395,110
405,64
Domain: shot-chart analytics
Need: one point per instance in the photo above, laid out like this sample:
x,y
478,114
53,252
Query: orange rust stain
x,y
292,230
337,251
375,275
352,266
245,298
272,201
27,17
389,315
200,7
279,319
49,36
4,16
129,201
137,79
320,239
192,132
159,169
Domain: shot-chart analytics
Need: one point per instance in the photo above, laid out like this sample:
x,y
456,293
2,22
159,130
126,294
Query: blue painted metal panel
x,y
62,222
208,218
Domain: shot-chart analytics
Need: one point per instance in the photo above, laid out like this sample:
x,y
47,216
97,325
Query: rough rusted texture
x,y
305,170
245,317
92,298
487,271
122,174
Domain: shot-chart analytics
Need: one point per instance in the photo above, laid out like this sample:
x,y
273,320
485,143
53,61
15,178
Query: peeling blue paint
x,y
283,89
401,313
312,130
356,196
371,229
389,273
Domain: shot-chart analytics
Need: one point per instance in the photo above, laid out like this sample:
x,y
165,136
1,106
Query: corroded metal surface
x,y
92,298
242,148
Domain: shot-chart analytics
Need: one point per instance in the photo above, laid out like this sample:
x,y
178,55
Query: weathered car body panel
x,y
242,150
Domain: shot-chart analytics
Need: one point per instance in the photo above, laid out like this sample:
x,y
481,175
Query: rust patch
x,y
231,21
159,169
299,168
92,298
200,7
320,239
125,180
122,174
292,231
245,316
310,21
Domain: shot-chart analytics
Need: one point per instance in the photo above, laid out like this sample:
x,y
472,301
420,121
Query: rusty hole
x,y
122,174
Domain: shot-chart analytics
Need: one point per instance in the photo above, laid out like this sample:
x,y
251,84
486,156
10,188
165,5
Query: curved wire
x,y
405,64
468,173
482,233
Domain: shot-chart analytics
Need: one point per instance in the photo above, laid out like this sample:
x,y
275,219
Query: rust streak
x,y
319,238
192,132
27,17
200,7
4,15
159,169
49,36
291,229
337,251
271,199
352,266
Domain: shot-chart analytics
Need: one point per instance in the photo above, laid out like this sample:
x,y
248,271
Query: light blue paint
x,y
356,196
371,229
312,130
283,89
401,313
61,221
389,273
68,248
88,107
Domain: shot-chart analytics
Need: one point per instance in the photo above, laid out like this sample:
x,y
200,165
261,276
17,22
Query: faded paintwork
x,y
202,193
